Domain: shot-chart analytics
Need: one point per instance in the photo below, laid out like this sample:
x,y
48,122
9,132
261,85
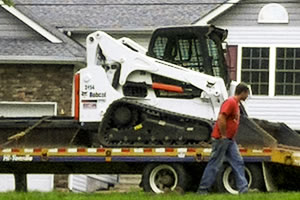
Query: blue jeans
x,y
224,149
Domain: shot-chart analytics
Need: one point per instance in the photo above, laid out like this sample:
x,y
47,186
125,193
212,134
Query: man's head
x,y
242,91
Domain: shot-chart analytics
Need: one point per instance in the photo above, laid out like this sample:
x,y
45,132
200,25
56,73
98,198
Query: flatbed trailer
x,y
161,168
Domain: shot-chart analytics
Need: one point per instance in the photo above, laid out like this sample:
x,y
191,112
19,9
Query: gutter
x,y
41,60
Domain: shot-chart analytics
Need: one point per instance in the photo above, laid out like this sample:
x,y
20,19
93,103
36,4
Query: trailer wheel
x,y
226,181
161,178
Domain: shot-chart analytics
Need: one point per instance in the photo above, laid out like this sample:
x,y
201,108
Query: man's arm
x,y
222,124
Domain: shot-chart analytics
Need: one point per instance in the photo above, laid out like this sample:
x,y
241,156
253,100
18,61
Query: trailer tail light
x,y
77,99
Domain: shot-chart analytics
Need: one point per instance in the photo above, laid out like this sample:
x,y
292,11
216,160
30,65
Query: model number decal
x,y
89,87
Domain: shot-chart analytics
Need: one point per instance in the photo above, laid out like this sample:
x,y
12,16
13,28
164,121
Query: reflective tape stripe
x,y
72,150
126,150
207,150
91,150
138,150
53,150
243,150
116,150
297,154
6,150
182,150
28,150
160,150
257,151
169,150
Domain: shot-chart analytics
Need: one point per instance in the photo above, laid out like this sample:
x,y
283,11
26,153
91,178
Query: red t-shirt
x,y
230,108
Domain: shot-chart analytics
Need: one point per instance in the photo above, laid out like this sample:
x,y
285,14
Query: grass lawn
x,y
146,196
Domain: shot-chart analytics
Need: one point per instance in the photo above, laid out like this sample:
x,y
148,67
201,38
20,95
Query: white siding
x,y
242,23
244,30
276,109
266,35
246,13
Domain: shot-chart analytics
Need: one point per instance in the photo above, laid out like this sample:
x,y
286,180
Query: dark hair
x,y
241,87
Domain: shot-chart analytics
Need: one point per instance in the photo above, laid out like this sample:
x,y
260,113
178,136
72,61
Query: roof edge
x,y
35,26
41,59
216,12
89,30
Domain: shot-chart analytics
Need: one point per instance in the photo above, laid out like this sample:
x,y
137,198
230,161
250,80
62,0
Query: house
x,y
263,38
42,44
49,36
37,64
264,44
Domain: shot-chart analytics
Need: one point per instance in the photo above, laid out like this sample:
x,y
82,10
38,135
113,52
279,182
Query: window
x,y
272,71
159,47
287,71
214,55
189,54
273,13
255,69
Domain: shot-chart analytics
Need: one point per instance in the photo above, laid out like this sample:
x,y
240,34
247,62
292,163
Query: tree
x,y
8,2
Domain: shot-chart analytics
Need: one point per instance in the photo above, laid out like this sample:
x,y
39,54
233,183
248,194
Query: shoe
x,y
179,190
253,190
202,192
246,190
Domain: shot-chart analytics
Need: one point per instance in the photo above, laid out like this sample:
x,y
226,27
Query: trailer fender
x,y
162,178
269,182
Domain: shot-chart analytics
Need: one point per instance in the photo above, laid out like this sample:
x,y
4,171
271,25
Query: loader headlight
x,y
87,78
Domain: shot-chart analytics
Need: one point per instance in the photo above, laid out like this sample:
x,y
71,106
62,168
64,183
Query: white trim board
x,y
39,29
216,12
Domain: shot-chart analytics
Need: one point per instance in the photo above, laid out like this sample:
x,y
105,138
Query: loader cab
x,y
198,48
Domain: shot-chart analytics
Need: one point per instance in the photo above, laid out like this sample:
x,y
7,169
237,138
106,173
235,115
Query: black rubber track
x,y
148,126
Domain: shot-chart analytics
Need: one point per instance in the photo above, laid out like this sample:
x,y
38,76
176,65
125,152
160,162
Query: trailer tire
x,y
162,178
225,181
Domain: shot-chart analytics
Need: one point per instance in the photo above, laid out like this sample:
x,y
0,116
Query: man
x,y
223,144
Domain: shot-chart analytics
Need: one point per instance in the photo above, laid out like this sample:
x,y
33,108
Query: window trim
x,y
265,12
272,64
52,104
